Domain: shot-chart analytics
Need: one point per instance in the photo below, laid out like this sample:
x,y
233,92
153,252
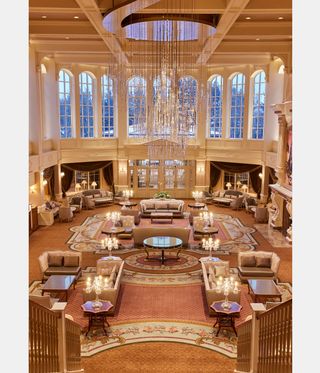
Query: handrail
x,y
73,346
244,346
43,339
275,339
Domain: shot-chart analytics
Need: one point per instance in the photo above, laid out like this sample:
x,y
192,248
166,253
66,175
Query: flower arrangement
x,y
162,195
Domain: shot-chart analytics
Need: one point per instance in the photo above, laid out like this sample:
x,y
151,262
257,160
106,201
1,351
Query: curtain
x,y
48,174
214,176
66,181
108,175
256,181
236,168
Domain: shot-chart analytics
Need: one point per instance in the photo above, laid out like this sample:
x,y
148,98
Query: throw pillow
x,y
263,262
71,261
55,260
48,205
212,276
97,195
248,261
173,206
220,271
90,196
105,271
103,193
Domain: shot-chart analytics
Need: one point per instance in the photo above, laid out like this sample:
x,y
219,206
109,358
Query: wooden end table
x,y
260,290
226,316
59,284
97,316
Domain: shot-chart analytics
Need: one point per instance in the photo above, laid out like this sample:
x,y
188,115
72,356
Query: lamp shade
x,y
94,184
228,185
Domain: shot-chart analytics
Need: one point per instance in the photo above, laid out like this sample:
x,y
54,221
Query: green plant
x,y
162,195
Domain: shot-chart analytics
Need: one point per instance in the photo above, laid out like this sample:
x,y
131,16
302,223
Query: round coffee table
x,y
128,204
113,231
208,231
197,205
163,243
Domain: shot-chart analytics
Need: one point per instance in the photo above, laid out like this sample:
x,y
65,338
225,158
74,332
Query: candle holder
x,y
207,217
197,195
210,245
227,285
110,244
97,285
127,194
114,217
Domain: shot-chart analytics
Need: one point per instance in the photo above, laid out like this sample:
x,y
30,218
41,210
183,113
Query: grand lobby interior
x,y
160,186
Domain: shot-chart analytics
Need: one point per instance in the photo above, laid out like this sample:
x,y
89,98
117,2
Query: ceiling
x,y
249,31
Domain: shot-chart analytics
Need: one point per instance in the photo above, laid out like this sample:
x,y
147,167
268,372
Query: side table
x,y
97,316
226,316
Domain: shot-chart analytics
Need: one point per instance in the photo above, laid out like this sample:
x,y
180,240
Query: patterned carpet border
x,y
160,331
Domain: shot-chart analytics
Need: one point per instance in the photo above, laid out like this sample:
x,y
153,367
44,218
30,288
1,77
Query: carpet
x,y
233,235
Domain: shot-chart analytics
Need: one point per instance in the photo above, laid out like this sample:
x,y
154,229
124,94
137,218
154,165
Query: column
x,y
264,184
200,175
282,141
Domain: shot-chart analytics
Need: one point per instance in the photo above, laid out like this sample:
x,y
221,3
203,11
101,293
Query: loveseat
x,y
161,205
139,234
47,212
112,271
210,272
258,264
60,263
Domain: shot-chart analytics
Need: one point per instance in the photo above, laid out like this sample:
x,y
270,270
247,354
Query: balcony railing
x,y
244,346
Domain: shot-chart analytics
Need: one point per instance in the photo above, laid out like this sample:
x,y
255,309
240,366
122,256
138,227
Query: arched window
x,y
187,103
86,105
107,97
215,106
237,106
137,107
259,92
65,105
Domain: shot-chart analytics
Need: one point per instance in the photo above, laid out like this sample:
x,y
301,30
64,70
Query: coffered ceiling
x,y
248,31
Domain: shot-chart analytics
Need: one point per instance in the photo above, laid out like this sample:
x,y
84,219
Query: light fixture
x,y
197,195
226,286
244,188
114,216
239,183
67,38
32,189
45,182
228,185
257,39
122,170
248,17
76,17
280,18
260,175
127,194
78,187
209,244
43,17
94,184
62,174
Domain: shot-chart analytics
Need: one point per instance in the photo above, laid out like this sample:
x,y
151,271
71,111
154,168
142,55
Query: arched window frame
x,y
65,104
138,104
237,105
215,105
108,117
87,111
257,105
183,99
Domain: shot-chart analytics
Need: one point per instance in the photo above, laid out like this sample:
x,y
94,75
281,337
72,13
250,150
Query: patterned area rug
x,y
233,235
160,331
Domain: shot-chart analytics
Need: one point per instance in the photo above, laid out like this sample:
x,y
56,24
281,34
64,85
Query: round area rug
x,y
140,261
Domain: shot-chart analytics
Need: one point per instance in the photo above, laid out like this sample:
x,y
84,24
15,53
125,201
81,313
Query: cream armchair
x,y
65,214
44,300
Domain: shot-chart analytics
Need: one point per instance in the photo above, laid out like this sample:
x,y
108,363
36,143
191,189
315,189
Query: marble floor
x,y
274,237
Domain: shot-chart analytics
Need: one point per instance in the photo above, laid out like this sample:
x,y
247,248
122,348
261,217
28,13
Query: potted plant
x,y
162,195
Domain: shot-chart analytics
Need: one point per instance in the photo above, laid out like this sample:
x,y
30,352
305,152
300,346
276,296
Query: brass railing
x,y
43,339
275,340
73,348
244,346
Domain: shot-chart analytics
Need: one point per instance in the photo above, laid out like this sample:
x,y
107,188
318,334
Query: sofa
x,y
98,197
60,262
47,212
139,234
258,264
161,205
228,196
210,272
111,270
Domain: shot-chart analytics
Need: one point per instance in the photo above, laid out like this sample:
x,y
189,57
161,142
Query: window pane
x,y
64,89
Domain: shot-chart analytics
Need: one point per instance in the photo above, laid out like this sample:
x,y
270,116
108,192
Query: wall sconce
x,y
32,189
200,170
94,184
122,170
260,175
62,174
45,182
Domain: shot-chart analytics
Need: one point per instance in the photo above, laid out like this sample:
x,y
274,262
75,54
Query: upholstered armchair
x,y
236,204
44,300
65,213
77,203
127,223
198,225
249,203
88,202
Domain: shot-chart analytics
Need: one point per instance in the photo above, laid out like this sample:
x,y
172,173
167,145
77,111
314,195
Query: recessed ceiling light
x,y
76,17
280,18
257,38
44,17
67,37
248,17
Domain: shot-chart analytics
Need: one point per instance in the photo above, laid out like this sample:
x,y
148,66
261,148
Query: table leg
x,y
162,256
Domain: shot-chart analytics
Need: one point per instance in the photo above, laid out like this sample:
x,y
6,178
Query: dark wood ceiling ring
x,y
206,19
